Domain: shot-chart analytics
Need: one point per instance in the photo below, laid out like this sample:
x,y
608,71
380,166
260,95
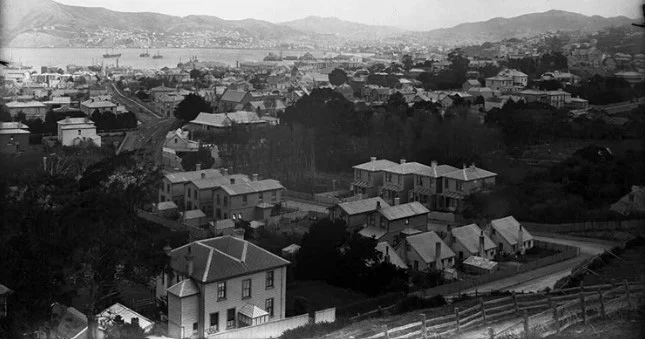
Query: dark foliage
x,y
203,156
191,106
338,77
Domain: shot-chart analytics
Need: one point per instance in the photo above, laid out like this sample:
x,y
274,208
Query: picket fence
x,y
565,305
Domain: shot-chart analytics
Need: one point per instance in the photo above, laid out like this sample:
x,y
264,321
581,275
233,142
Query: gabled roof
x,y
184,288
473,82
4,289
424,244
233,95
469,237
252,311
408,168
395,259
194,214
224,258
469,173
183,177
227,119
362,206
72,323
126,314
376,165
508,228
214,182
372,231
408,210
436,171
252,187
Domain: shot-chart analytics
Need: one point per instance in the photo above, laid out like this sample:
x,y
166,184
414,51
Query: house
x,y
232,98
74,131
194,218
510,236
461,183
428,184
222,283
368,177
557,99
155,92
224,121
426,252
393,223
631,203
14,137
199,193
179,141
359,213
31,109
252,200
470,83
100,104
5,292
390,256
398,180
519,79
68,323
166,103
499,83
173,185
470,240
167,209
106,318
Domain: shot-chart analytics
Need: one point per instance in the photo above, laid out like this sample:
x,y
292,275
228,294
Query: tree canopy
x,y
338,77
189,108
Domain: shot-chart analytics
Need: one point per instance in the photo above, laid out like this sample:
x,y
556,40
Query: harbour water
x,y
61,57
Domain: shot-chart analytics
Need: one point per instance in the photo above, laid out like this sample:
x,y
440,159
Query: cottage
x,y
232,98
14,137
469,241
179,141
426,252
224,121
359,213
128,316
98,104
510,236
398,221
31,109
390,256
471,83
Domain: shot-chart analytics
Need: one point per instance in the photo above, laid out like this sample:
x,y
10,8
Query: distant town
x,y
383,190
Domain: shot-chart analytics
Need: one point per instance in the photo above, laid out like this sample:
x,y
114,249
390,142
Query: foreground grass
x,y
623,325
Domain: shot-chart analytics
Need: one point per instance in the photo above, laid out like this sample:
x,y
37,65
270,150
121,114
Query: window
x,y
225,215
195,194
416,265
188,192
388,176
459,185
269,280
195,327
274,195
217,200
79,132
218,213
239,216
445,183
221,290
357,175
244,200
400,179
369,177
225,202
246,288
268,306
261,197
214,323
396,240
230,318
175,140
419,180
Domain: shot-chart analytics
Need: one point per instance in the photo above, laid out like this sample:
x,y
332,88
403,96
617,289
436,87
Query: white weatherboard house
x,y
470,240
510,236
220,284
74,131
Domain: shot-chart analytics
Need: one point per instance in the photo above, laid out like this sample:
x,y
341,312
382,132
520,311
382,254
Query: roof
x,y
166,205
184,288
4,289
508,228
424,244
194,214
404,211
632,202
293,248
435,171
223,258
477,261
126,314
376,165
227,119
395,259
362,206
97,103
469,173
408,168
473,82
13,131
76,126
181,177
233,95
410,231
72,323
372,231
214,182
469,237
253,311
252,187
16,104
74,121
13,125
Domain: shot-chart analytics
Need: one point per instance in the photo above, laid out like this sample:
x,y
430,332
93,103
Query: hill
x,y
343,29
527,25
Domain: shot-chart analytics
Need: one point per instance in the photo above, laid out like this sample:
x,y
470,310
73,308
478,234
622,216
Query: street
x,y
143,113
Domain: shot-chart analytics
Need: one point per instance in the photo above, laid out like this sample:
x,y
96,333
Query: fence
x,y
196,233
513,306
274,329
585,226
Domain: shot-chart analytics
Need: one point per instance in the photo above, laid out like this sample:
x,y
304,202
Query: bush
x,y
314,330
414,302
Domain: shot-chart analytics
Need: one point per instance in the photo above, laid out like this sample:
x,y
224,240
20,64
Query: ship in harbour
x,y
111,55
145,54
157,56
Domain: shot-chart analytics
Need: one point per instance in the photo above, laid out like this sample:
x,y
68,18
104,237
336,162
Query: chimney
x,y
481,245
520,240
189,262
402,161
465,174
232,181
238,233
372,159
255,177
397,201
67,119
378,205
202,174
437,255
167,249
198,167
224,171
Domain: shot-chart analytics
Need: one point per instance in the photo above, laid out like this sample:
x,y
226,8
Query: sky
x,y
408,14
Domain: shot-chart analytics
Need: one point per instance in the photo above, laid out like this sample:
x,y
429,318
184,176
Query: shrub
x,y
314,330
415,302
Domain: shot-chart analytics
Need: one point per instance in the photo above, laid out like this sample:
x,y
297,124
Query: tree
x,y
195,74
21,117
338,77
190,160
407,62
4,114
191,106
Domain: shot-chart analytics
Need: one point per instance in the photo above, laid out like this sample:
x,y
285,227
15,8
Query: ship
x,y
157,56
144,55
110,56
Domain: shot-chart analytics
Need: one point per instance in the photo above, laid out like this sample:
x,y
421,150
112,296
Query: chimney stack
x,y
437,255
372,159
189,262
397,201
464,170
378,205
224,171
198,167
232,181
238,233
402,161
520,240
481,245
203,175
255,177
434,164
167,249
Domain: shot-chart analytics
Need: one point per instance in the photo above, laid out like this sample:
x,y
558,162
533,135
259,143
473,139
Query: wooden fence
x,y
563,305
610,225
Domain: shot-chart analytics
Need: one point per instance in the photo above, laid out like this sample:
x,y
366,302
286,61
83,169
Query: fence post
x,y
526,324
628,295
491,333
457,317
583,308
548,296
424,334
517,309
387,335
602,305
556,319
481,303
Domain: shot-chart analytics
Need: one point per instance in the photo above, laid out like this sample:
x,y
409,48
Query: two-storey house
x,y
426,252
398,181
199,193
510,236
222,283
519,78
173,185
499,83
359,213
368,177
248,201
461,183
393,223
75,131
428,184
470,240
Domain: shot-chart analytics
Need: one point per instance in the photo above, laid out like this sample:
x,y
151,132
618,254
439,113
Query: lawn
x,y
320,295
